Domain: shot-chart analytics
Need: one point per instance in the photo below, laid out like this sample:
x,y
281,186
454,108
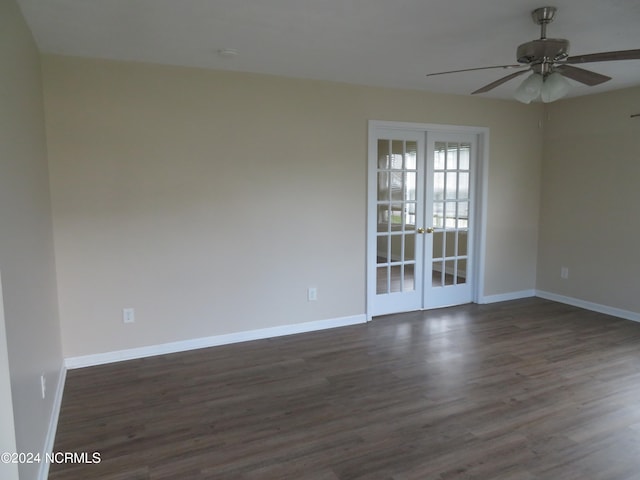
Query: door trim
x,y
480,196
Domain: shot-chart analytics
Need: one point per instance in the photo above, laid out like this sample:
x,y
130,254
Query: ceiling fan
x,y
549,60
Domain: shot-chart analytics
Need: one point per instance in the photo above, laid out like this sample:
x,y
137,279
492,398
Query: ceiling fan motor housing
x,y
543,50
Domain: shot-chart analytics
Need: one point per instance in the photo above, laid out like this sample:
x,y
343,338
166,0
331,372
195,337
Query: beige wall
x,y
590,200
26,240
210,201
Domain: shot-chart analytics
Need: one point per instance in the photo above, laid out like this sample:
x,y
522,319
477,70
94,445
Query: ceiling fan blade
x,y
473,69
581,75
498,82
605,56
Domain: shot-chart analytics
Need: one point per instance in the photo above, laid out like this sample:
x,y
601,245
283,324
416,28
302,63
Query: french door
x,y
420,221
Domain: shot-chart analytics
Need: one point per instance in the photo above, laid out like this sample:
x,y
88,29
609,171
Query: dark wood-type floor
x,y
521,390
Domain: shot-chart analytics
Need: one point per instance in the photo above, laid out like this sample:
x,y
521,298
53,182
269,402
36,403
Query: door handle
x,y
426,230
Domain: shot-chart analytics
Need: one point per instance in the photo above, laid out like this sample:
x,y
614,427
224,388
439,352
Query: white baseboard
x,y
576,302
204,342
504,297
596,307
50,439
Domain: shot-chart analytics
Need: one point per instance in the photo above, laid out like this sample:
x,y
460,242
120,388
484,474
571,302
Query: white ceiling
x,y
370,42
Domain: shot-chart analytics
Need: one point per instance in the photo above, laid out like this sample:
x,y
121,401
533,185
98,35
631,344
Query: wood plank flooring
x,y
522,390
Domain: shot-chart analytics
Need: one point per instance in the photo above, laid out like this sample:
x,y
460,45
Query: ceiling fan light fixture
x,y
529,89
549,60
555,87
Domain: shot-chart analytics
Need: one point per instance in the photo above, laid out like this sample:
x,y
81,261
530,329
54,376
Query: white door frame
x,y
7,436
480,196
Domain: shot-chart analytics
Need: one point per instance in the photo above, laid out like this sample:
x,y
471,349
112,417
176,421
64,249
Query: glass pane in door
x,y
396,206
450,213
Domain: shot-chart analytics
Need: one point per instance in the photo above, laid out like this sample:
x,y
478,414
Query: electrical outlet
x,y
564,273
128,315
312,294
43,385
